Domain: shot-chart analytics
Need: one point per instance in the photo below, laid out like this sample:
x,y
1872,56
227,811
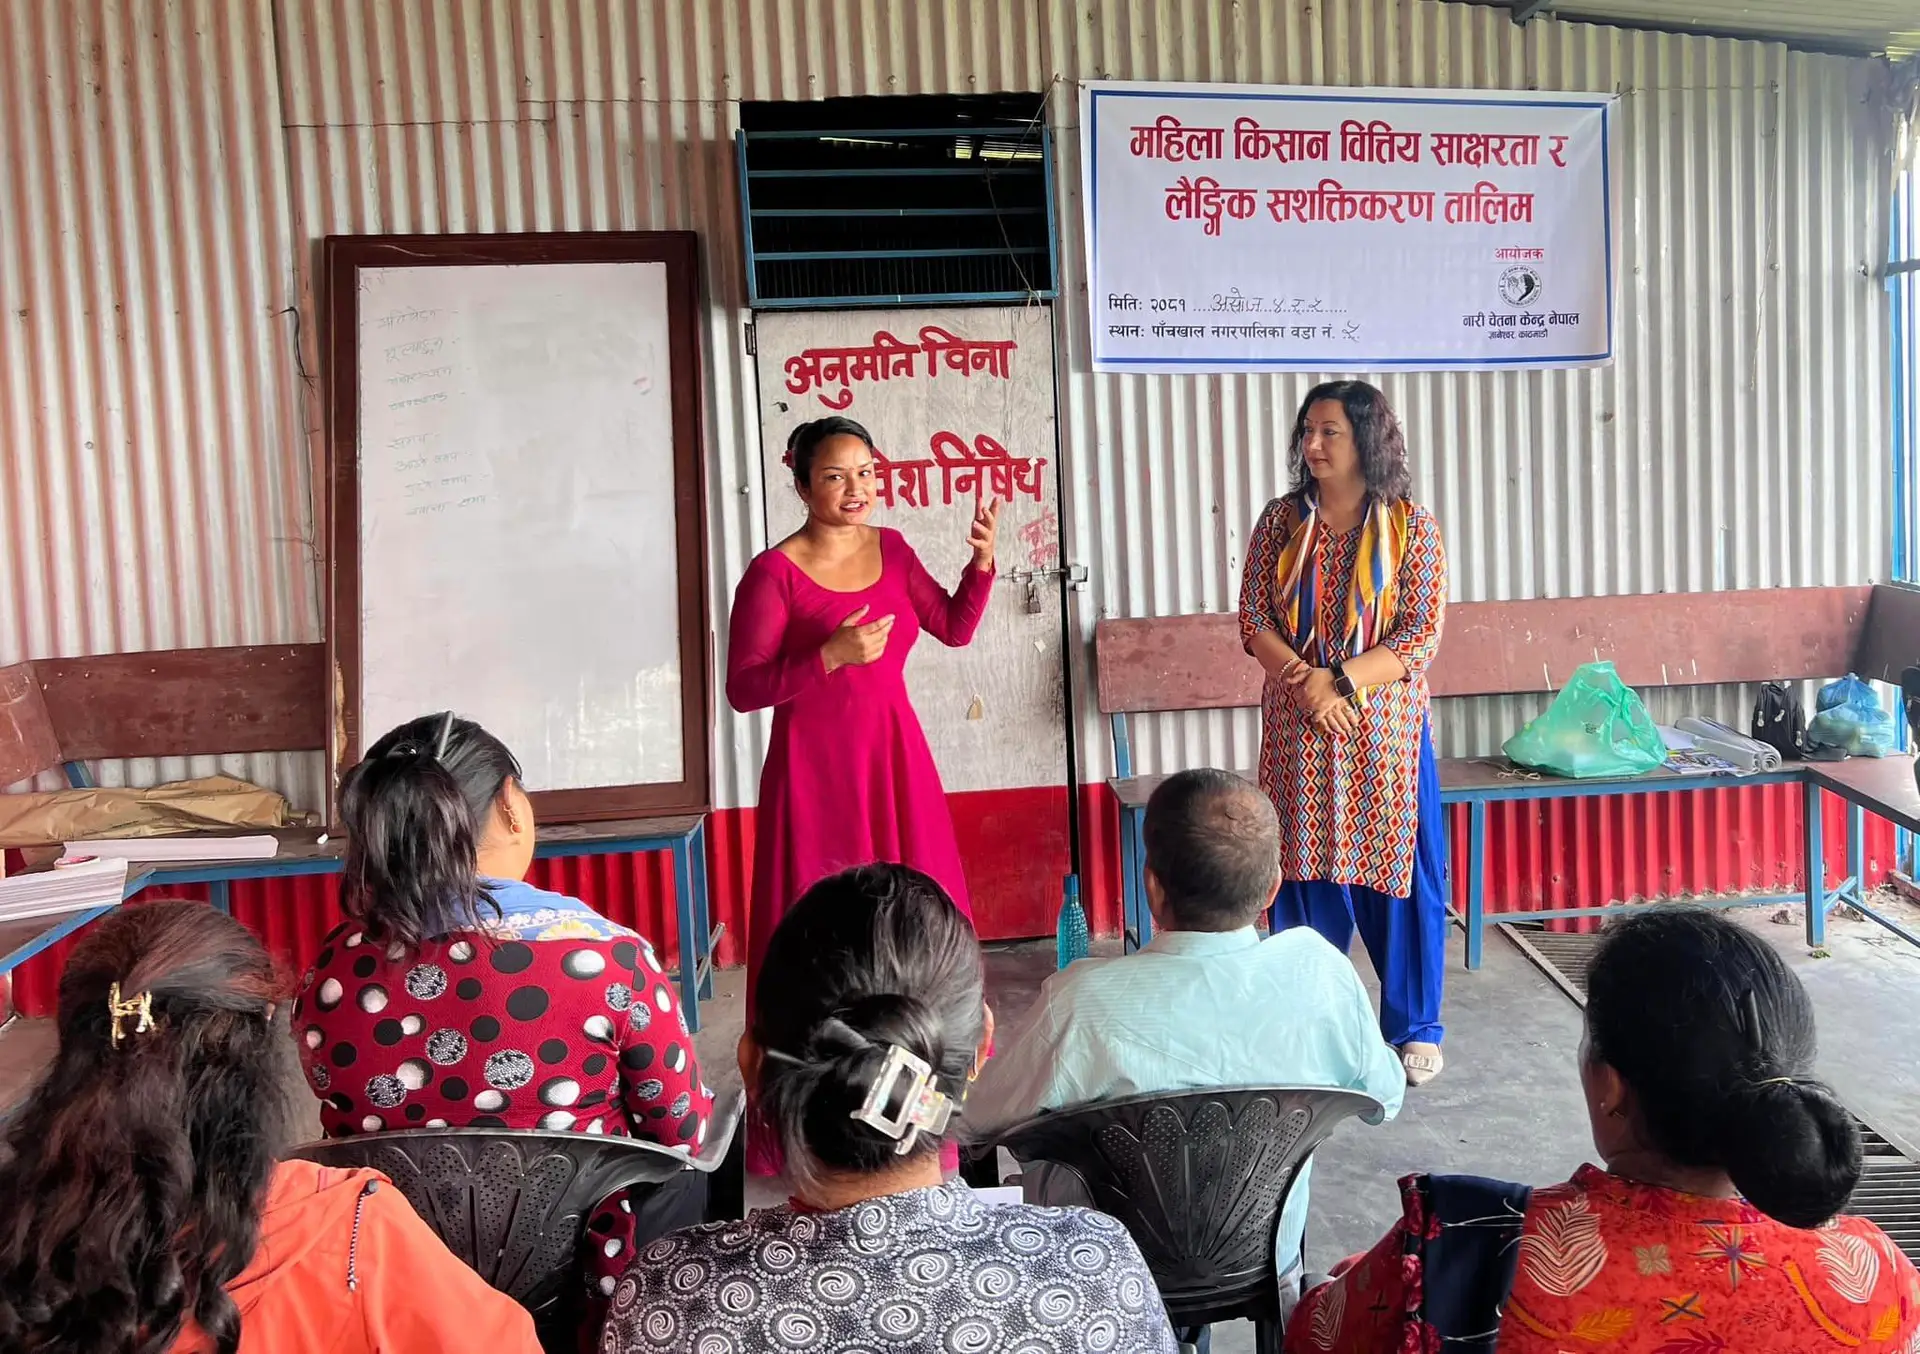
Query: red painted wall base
x,y
1540,854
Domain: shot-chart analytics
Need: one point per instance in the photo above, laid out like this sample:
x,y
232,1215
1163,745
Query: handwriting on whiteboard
x,y
408,315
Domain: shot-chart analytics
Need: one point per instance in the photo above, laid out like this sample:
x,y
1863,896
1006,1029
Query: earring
x,y
513,823
1616,1113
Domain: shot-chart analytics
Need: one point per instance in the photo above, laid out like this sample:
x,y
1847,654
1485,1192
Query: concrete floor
x,y
1508,1104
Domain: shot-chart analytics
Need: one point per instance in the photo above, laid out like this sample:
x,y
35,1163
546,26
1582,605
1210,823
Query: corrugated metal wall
x,y
170,168
519,115
155,493
1739,442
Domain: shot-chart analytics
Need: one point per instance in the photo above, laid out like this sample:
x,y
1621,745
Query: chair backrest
x,y
1197,1177
514,1204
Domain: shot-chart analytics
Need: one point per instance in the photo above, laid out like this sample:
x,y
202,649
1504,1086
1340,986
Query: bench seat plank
x,y
187,702
1463,778
1509,648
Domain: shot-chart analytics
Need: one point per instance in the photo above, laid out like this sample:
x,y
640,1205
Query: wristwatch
x,y
1341,682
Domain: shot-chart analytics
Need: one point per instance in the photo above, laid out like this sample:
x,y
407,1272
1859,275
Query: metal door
x,y
961,404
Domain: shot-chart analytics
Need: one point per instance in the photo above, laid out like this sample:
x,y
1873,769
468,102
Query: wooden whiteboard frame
x,y
342,258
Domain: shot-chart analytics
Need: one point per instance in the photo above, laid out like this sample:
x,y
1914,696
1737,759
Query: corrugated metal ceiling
x,y
1864,26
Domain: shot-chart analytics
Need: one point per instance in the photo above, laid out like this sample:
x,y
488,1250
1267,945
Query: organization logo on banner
x,y
1521,287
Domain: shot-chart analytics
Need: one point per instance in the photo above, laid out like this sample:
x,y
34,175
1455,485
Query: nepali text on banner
x,y
1283,228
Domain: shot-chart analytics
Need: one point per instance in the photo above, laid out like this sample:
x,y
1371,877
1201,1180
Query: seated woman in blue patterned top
x,y
869,1021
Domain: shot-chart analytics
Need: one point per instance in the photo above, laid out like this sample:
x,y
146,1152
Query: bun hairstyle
x,y
868,959
135,1173
1704,1021
804,442
415,808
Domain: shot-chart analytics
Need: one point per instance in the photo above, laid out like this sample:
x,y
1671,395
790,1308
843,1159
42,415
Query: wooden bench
x,y
1188,663
63,713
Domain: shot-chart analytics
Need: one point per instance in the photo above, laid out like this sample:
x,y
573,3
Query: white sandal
x,y
1422,1061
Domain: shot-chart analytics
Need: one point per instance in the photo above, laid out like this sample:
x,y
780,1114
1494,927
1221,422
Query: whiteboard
x,y
517,513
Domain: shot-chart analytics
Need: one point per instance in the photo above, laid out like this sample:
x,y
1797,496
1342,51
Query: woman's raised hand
x,y
981,536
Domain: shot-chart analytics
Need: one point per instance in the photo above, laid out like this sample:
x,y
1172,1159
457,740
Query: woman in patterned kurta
x,y
1342,603
1712,1230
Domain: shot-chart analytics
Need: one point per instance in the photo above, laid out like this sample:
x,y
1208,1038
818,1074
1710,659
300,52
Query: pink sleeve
x,y
949,619
760,673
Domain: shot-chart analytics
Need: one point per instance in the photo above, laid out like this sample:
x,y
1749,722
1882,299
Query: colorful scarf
x,y
1371,601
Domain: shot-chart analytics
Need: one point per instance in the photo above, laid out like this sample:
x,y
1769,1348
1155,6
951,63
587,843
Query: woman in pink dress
x,y
821,629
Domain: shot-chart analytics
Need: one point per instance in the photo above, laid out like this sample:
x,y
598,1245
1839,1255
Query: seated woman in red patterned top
x,y
456,994
1715,1227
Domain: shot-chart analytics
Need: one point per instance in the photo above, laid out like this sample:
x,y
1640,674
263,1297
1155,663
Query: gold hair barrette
x,y
140,1006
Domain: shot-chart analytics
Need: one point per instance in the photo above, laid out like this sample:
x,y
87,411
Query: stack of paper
x,y
64,888
157,849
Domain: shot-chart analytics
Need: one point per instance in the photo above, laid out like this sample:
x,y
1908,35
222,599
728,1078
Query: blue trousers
x,y
1406,937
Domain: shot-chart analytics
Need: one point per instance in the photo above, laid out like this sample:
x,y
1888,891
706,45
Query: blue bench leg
x,y
689,932
702,910
1476,881
220,895
1857,853
1142,913
1129,905
1815,866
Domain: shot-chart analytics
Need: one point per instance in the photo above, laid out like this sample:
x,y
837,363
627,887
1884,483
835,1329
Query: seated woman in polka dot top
x,y
456,994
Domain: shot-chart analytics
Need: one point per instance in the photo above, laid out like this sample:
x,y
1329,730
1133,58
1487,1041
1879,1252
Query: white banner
x,y
1282,228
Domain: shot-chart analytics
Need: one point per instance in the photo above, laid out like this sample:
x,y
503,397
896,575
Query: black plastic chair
x,y
1199,1179
514,1204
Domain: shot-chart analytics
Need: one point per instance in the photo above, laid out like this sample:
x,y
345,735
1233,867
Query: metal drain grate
x,y
1889,1190
1562,955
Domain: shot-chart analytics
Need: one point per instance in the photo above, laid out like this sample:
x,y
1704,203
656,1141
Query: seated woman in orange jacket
x,y
144,1209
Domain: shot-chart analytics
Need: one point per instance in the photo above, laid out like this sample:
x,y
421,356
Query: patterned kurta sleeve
x,y
1257,611
1360,1310
1422,611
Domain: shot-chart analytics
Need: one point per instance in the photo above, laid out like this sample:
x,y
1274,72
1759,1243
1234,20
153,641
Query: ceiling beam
x,y
1524,10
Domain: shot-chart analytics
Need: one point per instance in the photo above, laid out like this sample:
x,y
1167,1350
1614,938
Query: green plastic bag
x,y
1596,726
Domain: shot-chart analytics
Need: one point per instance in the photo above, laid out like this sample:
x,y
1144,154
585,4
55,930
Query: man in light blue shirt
x,y
1206,1003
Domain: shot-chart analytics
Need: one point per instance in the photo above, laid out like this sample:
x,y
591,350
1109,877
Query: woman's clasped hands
x,y
1311,689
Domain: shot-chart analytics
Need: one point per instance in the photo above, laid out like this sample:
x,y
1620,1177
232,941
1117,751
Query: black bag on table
x,y
1780,721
